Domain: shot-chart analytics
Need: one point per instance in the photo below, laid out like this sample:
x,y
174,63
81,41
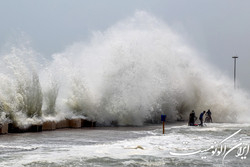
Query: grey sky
x,y
217,28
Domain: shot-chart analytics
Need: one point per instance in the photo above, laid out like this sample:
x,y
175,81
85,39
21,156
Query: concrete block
x,y
13,128
87,123
49,125
35,128
75,123
93,123
62,124
4,128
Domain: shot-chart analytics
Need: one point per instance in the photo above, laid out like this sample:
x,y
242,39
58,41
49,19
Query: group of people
x,y
193,118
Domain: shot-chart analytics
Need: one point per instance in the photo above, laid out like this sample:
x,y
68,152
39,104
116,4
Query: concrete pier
x,y
62,124
35,128
49,125
4,128
75,123
12,128
46,126
87,123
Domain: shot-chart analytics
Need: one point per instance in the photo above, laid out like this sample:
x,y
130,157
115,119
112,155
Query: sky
x,y
218,29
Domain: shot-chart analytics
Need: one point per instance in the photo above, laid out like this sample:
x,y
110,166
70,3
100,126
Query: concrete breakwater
x,y
47,126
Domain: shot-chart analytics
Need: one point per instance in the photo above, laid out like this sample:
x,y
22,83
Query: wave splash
x,y
129,74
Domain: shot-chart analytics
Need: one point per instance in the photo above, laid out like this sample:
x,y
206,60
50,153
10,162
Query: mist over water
x,y
129,74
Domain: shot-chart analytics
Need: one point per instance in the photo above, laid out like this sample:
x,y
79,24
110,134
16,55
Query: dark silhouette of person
x,y
209,114
192,118
201,118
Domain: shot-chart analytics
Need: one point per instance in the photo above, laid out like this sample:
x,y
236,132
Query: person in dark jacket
x,y
209,114
192,118
201,118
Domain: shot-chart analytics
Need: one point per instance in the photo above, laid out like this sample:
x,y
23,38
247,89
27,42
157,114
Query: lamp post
x,y
235,57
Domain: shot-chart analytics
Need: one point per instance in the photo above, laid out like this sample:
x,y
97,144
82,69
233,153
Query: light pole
x,y
235,57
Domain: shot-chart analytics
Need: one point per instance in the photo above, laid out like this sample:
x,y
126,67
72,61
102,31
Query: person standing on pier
x,y
201,118
209,114
192,118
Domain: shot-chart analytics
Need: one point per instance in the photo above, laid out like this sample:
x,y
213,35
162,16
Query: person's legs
x,y
207,119
201,120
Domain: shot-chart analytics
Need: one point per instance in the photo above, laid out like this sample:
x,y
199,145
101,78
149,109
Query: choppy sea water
x,y
130,146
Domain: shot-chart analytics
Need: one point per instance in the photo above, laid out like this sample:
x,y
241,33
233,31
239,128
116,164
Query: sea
x,y
214,144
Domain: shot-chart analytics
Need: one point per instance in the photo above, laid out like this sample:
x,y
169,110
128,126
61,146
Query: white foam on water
x,y
148,151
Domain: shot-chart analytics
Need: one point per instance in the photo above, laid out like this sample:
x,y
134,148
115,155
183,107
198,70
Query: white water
x,y
134,71
126,146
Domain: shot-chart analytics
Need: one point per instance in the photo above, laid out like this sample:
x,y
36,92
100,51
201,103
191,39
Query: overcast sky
x,y
219,29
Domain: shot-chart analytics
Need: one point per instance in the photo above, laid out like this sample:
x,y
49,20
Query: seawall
x,y
49,125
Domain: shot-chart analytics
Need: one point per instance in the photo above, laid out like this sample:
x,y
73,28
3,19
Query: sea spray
x,y
50,97
7,97
24,97
79,101
140,68
129,74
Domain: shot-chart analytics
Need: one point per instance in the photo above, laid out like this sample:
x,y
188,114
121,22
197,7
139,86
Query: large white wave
x,y
129,74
